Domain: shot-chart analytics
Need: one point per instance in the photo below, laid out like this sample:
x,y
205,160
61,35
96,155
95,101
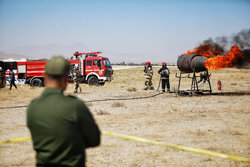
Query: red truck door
x,y
98,69
89,68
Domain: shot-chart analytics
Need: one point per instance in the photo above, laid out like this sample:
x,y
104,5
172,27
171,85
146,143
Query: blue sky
x,y
130,30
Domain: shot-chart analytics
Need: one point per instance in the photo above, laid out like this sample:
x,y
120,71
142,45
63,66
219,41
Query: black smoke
x,y
223,43
242,39
246,61
214,46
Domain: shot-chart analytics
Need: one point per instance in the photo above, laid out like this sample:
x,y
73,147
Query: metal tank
x,y
191,63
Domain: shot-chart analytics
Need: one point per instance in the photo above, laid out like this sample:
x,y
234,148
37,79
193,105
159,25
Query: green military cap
x,y
57,65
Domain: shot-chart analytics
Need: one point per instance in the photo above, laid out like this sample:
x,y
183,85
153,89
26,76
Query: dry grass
x,y
132,89
201,132
172,108
89,104
229,131
118,104
23,94
218,123
101,112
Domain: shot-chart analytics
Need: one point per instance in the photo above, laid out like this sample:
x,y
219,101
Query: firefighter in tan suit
x,y
148,76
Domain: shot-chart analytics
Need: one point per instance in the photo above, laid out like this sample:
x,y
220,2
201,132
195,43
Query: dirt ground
x,y
219,122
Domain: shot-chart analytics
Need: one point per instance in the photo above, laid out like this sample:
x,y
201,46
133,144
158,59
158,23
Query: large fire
x,y
223,61
205,50
219,61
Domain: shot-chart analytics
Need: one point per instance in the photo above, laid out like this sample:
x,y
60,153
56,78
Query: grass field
x,y
218,122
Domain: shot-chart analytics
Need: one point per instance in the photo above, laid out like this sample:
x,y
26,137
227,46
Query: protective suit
x,y
148,76
164,72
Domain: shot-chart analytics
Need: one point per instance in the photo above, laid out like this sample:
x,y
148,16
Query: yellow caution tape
x,y
178,147
15,140
143,140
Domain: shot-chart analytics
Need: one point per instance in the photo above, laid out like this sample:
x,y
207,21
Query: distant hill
x,y
46,51
4,55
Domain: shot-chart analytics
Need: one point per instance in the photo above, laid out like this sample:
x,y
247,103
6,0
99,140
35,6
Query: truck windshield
x,y
106,63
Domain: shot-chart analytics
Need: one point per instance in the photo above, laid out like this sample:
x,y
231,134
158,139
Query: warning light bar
x,y
88,53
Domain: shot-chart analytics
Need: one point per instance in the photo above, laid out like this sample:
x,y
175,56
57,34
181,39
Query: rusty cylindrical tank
x,y
191,63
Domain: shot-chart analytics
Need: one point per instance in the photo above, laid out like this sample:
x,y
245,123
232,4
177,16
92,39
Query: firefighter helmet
x,y
164,64
148,63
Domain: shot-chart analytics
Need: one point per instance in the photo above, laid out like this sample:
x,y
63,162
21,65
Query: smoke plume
x,y
221,46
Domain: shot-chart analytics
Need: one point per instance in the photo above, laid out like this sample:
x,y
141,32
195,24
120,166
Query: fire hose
x,y
159,84
99,100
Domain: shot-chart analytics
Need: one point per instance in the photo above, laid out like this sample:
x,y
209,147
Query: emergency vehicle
x,y
13,64
94,69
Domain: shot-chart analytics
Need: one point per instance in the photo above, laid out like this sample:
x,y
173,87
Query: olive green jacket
x,y
61,128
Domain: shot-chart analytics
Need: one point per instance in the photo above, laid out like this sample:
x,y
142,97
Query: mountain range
x,y
47,51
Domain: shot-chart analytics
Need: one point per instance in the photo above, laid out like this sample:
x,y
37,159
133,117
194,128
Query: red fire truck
x,y
94,69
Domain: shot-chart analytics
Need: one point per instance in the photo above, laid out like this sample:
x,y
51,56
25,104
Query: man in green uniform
x,y
61,126
77,80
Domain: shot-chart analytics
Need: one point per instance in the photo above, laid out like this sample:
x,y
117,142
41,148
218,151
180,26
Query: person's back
x,y
61,128
12,79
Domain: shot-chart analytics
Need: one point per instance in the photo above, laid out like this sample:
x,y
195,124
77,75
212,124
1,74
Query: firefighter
x,y
148,70
12,79
77,79
164,72
204,77
61,126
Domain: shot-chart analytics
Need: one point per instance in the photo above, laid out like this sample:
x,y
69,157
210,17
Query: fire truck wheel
x,y
93,80
36,82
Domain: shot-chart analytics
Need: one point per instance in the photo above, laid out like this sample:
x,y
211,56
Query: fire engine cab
x,y
94,69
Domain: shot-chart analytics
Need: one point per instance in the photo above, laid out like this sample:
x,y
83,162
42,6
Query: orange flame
x,y
205,50
223,61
